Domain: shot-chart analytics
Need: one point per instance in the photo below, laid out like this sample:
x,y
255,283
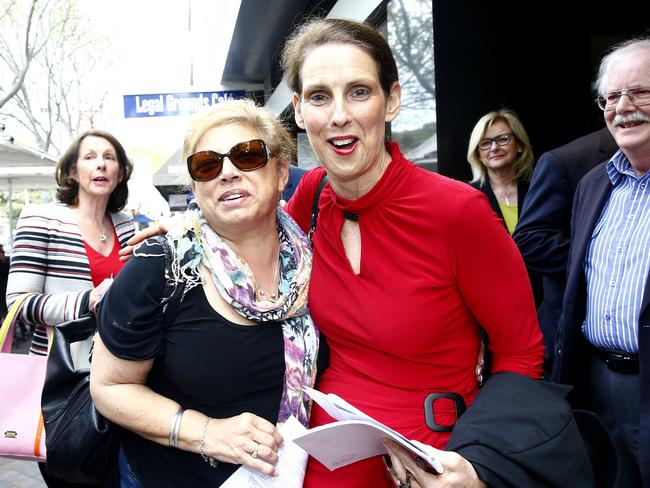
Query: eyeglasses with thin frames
x,y
501,140
638,97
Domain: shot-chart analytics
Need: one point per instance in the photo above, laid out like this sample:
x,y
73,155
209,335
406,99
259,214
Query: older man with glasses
x,y
543,232
603,345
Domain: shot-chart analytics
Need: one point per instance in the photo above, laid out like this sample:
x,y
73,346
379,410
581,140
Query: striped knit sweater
x,y
49,261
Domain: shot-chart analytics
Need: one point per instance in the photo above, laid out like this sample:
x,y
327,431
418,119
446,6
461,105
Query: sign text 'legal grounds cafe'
x,y
166,104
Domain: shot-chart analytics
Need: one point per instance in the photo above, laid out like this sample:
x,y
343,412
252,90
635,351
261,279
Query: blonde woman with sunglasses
x,y
206,339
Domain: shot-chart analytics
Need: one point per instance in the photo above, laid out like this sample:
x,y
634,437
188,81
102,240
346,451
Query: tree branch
x,y
19,79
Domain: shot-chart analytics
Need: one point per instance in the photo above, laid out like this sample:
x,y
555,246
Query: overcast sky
x,y
154,52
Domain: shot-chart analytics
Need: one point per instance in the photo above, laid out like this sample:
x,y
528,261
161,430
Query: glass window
x,y
410,35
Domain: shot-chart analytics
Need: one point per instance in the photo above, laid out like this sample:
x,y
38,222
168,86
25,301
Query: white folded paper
x,y
355,436
291,466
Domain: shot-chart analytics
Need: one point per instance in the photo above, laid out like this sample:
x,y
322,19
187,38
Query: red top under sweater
x,y
435,262
102,267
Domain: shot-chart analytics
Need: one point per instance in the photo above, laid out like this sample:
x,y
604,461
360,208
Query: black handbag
x,y
82,446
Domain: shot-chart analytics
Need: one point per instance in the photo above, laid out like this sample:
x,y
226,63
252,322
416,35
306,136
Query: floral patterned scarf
x,y
195,242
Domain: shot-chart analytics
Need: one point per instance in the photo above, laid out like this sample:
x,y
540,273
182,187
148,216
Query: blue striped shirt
x,y
617,261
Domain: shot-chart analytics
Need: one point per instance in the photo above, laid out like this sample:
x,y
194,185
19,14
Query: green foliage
x,y
410,139
17,204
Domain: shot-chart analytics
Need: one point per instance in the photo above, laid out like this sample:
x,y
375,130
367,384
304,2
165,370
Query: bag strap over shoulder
x,y
315,209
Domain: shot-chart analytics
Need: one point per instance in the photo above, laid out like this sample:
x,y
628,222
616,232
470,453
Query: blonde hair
x,y
524,162
242,112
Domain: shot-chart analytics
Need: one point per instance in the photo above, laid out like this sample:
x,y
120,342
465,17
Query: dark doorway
x,y
537,58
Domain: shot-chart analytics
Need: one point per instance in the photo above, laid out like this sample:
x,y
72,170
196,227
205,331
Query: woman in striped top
x,y
65,254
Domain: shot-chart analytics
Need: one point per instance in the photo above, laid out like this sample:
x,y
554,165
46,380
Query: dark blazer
x,y
572,352
522,190
544,226
520,432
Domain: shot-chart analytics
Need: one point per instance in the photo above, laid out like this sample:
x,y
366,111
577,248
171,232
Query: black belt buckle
x,y
624,363
459,406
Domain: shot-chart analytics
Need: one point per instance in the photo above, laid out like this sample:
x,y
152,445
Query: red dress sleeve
x,y
492,279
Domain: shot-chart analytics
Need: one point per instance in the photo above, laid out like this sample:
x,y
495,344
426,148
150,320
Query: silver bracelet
x,y
208,459
175,428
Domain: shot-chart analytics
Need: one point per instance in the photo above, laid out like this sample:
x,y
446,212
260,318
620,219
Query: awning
x,y
25,168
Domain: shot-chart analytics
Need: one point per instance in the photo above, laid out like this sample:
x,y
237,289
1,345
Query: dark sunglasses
x,y
246,156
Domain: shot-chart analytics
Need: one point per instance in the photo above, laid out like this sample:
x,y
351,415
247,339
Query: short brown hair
x,y
68,191
318,32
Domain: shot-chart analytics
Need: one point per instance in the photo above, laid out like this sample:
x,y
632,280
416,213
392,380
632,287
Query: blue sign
x,y
166,104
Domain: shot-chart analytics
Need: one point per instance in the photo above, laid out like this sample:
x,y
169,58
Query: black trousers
x,y
615,397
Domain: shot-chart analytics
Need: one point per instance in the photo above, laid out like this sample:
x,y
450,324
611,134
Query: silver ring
x,y
255,452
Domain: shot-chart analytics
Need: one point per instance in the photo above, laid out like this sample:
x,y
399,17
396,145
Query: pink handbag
x,y
22,435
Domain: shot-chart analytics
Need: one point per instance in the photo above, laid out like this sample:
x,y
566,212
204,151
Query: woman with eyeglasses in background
x,y
501,159
200,377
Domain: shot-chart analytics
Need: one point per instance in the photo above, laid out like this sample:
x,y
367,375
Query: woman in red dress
x,y
407,263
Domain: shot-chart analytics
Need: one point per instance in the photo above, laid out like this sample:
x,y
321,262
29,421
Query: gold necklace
x,y
273,295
